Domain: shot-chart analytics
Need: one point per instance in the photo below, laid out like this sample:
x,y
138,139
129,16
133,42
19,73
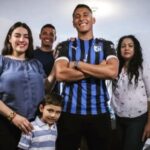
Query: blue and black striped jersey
x,y
90,95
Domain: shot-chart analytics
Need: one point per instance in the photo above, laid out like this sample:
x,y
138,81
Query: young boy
x,y
44,134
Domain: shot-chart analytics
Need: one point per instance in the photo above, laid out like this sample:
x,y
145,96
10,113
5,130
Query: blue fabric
x,y
21,85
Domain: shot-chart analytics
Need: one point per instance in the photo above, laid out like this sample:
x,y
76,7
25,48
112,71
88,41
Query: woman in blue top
x,y
21,85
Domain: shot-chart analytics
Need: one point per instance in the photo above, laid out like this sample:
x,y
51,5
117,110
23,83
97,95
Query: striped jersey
x,y
42,137
90,95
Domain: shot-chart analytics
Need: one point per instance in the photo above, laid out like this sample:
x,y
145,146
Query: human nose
x,y
53,114
81,17
21,38
127,47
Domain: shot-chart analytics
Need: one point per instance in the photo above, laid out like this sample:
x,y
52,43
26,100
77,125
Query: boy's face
x,y
50,113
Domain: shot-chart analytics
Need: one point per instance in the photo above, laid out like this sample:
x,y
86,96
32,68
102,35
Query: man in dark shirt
x,y
45,53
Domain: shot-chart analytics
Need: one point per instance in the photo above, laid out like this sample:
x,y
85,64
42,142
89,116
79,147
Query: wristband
x,y
11,116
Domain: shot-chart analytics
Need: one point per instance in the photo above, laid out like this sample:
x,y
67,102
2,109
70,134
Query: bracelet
x,y
76,64
11,116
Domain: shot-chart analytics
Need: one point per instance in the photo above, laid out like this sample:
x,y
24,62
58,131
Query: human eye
x,y
26,36
52,34
50,110
86,14
77,16
123,46
58,112
131,45
44,33
17,35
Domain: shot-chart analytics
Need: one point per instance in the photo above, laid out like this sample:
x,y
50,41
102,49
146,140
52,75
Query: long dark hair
x,y
136,61
7,49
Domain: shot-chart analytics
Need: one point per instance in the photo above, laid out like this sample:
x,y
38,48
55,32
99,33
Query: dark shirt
x,y
46,58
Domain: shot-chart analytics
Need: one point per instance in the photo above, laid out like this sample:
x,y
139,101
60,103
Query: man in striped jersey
x,y
83,65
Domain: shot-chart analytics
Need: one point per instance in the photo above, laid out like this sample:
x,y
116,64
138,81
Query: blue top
x,y
21,85
42,137
87,96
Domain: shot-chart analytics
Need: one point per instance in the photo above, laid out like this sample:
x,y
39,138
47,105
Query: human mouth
x,y
47,40
82,24
21,45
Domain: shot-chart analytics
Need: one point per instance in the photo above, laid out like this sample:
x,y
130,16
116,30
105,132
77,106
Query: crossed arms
x,y
66,71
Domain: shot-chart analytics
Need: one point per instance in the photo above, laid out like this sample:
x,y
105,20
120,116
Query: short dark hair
x,y
50,99
49,26
81,6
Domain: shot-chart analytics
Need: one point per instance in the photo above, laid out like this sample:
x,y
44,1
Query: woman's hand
x,y
146,133
22,123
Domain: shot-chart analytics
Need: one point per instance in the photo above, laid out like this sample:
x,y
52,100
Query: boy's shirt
x,y
42,137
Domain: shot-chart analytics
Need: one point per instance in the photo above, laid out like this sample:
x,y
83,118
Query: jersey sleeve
x,y
62,50
109,50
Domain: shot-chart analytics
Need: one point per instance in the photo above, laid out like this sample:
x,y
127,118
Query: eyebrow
x,y
21,33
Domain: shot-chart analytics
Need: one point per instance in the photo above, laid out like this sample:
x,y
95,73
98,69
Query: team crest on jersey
x,y
98,48
112,46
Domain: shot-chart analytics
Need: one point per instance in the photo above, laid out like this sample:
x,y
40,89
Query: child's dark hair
x,y
50,99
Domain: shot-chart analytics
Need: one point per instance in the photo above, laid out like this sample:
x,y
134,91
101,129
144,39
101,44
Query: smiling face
x,y
50,113
47,36
83,20
19,41
127,49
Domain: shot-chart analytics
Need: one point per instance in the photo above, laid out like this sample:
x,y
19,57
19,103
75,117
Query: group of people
x,y
30,104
